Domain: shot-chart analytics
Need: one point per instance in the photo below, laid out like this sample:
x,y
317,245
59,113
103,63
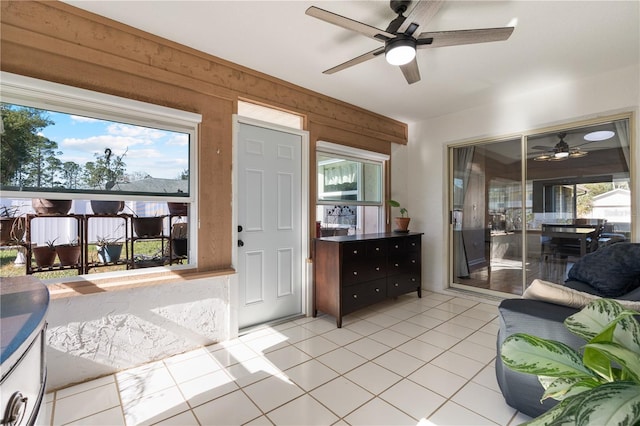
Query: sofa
x,y
612,271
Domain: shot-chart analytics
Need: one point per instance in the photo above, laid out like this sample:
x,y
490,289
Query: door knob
x,y
239,228
240,243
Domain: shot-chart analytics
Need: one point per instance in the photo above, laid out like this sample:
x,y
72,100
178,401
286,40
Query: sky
x,y
159,153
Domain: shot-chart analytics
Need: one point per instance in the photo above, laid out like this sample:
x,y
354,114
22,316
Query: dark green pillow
x,y
611,270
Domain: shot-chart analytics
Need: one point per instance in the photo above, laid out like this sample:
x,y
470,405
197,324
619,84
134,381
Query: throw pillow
x,y
612,270
561,295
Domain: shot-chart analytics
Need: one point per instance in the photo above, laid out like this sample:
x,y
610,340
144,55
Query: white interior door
x,y
270,257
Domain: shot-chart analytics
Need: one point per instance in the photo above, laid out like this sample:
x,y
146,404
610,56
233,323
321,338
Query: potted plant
x,y
68,254
106,172
148,226
402,222
109,249
48,206
601,385
179,241
11,226
44,255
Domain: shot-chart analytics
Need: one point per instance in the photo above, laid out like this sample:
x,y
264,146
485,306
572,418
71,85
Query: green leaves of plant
x,y
534,355
591,388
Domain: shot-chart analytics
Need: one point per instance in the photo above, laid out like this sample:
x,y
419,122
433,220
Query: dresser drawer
x,y
403,283
354,272
354,251
408,262
360,295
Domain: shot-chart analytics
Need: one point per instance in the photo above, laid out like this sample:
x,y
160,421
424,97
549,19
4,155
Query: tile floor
x,y
408,361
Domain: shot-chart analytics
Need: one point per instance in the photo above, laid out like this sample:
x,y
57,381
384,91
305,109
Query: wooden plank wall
x,y
54,41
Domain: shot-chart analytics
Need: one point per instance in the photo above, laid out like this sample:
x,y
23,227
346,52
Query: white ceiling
x,y
554,42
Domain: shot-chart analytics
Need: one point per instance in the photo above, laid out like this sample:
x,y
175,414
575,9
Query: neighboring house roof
x,y
155,185
616,197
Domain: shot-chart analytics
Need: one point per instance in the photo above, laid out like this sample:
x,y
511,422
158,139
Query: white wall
x,y
101,333
425,156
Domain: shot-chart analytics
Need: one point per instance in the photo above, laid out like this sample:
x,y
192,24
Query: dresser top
x,y
366,237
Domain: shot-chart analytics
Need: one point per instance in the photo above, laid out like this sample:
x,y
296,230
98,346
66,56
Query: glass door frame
x,y
524,136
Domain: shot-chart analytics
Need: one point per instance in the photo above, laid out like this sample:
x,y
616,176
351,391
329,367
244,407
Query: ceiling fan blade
x,y
349,24
411,71
421,14
355,61
542,148
459,37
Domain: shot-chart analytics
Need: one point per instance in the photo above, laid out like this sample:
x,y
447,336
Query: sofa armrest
x,y
542,319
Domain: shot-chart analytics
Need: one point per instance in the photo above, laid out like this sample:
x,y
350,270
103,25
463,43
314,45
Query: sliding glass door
x,y
530,207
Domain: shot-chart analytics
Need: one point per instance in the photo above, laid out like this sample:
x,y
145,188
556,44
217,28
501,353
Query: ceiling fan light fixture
x,y
561,154
542,157
400,50
577,153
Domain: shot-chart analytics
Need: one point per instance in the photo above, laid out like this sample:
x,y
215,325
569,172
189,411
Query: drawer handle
x,y
355,296
377,248
413,280
355,252
355,272
413,261
397,246
377,268
396,265
395,285
377,290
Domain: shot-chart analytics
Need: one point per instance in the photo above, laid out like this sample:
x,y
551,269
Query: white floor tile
x,y
183,419
438,380
413,399
439,314
260,421
467,322
342,336
363,327
474,351
311,374
488,403
84,404
389,337
378,413
373,377
425,321
341,360
383,320
302,411
452,306
400,312
485,339
421,350
208,387
454,330
110,417
155,407
452,414
439,339
341,396
286,358
487,378
193,368
233,353
143,381
268,343
297,333
253,370
232,409
272,392
399,362
481,314
321,325
368,348
408,328
458,364
316,346
519,418
83,387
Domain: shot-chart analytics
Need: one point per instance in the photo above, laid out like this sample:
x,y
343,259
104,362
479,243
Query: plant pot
x,y
106,207
44,255
180,246
46,206
177,209
402,224
69,255
109,253
11,230
147,226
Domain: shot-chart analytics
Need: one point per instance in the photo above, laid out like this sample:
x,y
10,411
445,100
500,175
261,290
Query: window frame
x,y
41,94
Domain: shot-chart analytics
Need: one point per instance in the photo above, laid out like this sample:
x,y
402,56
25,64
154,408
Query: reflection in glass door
x,y
486,216
576,200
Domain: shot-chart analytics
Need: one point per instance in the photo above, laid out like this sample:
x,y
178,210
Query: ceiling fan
x,y
561,151
400,41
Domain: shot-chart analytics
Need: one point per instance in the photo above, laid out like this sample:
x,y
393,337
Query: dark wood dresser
x,y
351,272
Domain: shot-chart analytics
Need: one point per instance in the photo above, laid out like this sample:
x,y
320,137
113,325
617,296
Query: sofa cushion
x,y
612,270
561,295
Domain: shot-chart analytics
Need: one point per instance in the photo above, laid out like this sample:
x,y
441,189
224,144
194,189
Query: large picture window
x,y
112,163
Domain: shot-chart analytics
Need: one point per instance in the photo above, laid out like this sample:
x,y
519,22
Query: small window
x,y
350,190
115,166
